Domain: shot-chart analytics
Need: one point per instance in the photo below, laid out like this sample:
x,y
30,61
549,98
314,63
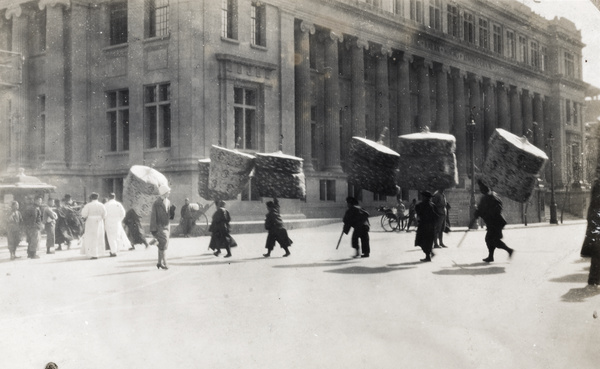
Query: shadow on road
x,y
365,270
580,294
472,269
315,265
128,272
572,278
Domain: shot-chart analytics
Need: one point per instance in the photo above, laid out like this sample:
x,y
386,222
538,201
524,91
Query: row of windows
x,y
258,21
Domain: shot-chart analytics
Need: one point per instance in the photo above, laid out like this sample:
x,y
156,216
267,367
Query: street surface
x,y
319,308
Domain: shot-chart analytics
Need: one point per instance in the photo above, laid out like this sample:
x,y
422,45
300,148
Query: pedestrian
x,y
220,228
134,229
187,221
490,210
33,224
93,242
49,216
113,224
14,221
412,215
69,225
276,230
357,218
426,220
439,205
162,212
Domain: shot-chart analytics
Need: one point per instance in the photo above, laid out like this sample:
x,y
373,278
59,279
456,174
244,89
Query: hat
x,y
351,200
163,189
426,194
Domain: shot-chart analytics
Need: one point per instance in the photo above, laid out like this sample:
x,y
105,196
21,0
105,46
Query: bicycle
x,y
200,218
391,220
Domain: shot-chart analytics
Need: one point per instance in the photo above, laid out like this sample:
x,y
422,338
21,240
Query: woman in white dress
x,y
93,243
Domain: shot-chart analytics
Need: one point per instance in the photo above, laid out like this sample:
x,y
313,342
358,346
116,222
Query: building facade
x,y
99,86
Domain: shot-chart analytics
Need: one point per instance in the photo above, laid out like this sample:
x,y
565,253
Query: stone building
x,y
89,88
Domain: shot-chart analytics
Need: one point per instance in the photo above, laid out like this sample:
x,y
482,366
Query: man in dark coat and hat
x,y
357,218
426,220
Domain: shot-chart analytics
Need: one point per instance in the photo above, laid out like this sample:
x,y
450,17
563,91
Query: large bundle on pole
x,y
280,175
203,191
141,188
427,161
512,165
372,166
229,170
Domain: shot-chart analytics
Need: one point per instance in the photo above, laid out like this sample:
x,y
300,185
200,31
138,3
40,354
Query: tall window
x,y
246,127
569,65
355,192
42,122
534,47
118,22
250,192
568,110
575,113
498,39
229,19
114,185
398,7
452,20
157,17
416,11
327,190
511,46
469,28
435,14
117,115
157,115
39,32
523,52
484,33
543,58
258,20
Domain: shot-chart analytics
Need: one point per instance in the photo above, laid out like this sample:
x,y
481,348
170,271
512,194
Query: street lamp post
x,y
553,218
471,133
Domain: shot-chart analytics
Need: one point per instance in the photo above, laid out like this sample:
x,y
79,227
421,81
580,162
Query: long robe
x,y
115,212
92,244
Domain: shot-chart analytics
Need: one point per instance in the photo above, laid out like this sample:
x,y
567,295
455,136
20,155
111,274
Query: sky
x,y
587,19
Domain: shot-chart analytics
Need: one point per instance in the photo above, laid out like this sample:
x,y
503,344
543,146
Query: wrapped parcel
x,y
203,191
141,188
512,165
229,170
372,166
427,161
279,175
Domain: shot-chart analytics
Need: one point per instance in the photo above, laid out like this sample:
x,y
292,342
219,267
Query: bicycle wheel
x,y
384,223
393,224
202,225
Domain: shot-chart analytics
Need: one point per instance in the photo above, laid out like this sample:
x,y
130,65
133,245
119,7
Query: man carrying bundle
x,y
357,218
490,210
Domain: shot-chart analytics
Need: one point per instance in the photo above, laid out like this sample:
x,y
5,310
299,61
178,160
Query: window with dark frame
x,y
250,193
568,110
229,19
435,14
534,48
117,115
354,191
469,28
42,122
484,33
327,190
511,46
258,20
569,65
118,22
543,58
416,11
114,185
245,102
453,29
497,39
523,50
157,17
157,115
379,197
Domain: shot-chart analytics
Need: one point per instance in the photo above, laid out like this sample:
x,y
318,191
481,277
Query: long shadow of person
x,y
580,294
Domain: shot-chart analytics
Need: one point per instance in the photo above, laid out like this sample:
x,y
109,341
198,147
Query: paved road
x,y
318,308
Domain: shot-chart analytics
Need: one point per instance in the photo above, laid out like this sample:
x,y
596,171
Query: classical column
x,y
404,115
332,103
135,79
382,112
490,117
21,139
358,87
424,72
538,121
527,113
503,106
475,109
55,77
303,93
515,111
441,73
460,121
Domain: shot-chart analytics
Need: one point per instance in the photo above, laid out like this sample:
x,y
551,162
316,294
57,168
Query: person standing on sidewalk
x,y
162,213
357,218
14,220
49,215
115,212
411,214
220,229
426,220
439,205
187,221
277,233
490,210
32,221
135,231
94,213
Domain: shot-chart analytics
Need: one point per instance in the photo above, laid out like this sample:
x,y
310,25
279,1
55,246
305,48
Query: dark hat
x,y
426,194
351,200
220,203
270,204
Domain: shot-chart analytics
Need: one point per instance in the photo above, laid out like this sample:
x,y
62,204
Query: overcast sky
x,y
587,19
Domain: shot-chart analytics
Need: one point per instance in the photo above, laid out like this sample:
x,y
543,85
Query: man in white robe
x,y
113,223
94,212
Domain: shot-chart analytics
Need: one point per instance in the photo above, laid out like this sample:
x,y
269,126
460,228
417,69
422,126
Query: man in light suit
x,y
115,212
